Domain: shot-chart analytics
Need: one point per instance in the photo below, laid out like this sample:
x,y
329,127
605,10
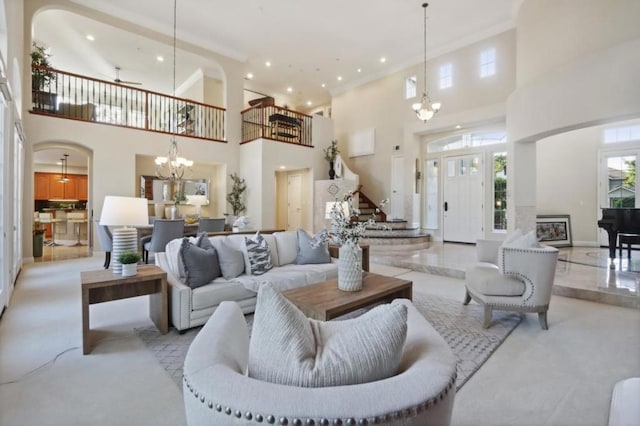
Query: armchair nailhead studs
x,y
210,404
202,398
218,408
324,422
195,394
259,418
227,411
310,422
270,419
351,421
337,422
238,414
283,421
248,415
296,422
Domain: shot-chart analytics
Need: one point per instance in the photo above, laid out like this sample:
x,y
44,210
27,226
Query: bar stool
x,y
77,218
48,218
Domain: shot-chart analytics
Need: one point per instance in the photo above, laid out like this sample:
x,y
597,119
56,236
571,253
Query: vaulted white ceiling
x,y
309,43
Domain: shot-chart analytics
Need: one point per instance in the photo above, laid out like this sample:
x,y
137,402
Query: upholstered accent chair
x,y
164,230
106,242
512,279
217,390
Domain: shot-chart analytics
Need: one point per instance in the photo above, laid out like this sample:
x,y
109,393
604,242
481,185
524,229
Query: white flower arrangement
x,y
346,228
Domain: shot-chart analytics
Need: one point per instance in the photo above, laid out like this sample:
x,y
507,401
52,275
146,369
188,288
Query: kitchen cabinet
x,y
83,187
47,186
41,186
56,188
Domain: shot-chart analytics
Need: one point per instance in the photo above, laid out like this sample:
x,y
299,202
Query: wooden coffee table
x,y
324,301
104,286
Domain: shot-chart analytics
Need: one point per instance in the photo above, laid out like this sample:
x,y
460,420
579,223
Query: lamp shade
x,y
124,211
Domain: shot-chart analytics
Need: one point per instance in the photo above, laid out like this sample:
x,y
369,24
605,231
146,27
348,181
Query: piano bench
x,y
627,239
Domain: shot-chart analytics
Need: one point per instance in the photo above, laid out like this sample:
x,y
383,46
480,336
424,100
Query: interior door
x,y
462,209
397,189
294,202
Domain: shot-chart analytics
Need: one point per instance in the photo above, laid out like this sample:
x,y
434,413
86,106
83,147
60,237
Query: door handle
x,y
446,206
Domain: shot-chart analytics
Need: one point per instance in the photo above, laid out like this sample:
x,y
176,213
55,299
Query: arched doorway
x,y
62,202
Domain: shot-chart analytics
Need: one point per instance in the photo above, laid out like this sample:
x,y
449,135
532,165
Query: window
x,y
410,87
487,62
622,134
467,140
500,191
446,76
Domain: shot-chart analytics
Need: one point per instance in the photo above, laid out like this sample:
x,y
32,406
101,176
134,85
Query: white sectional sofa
x,y
191,307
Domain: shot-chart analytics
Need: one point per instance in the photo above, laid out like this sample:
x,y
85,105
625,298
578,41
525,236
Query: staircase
x,y
398,232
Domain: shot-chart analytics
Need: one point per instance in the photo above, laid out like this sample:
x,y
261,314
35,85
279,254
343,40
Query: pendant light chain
x,y
424,6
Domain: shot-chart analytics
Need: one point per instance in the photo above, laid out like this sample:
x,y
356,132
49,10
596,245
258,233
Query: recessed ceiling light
x,y
458,126
283,167
267,64
339,78
59,163
90,37
289,89
359,69
309,103
383,60
160,58
323,85
249,76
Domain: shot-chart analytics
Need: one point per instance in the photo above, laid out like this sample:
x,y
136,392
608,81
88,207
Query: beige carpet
x,y
459,325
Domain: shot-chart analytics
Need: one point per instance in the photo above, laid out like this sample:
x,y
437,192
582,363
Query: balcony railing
x,y
276,123
83,98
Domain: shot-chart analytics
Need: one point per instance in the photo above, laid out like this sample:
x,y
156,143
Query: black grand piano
x,y
619,221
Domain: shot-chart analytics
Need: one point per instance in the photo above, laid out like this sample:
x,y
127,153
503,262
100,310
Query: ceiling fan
x,y
119,81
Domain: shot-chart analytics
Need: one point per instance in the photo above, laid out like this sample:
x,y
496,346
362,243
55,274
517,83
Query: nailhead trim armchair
x,y
512,279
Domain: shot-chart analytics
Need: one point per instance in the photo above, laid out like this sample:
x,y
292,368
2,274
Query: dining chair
x,y
206,224
164,230
106,242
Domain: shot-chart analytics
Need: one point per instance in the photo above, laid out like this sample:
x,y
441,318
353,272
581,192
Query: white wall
x,y
381,105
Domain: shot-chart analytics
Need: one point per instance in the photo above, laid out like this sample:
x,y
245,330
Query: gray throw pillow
x,y
258,254
200,263
231,260
289,349
202,241
308,254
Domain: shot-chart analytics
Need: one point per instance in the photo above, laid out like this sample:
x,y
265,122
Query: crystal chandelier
x,y
425,109
173,166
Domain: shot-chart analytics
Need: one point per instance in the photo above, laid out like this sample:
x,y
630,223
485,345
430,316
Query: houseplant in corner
x,y
234,198
129,261
330,154
42,78
38,239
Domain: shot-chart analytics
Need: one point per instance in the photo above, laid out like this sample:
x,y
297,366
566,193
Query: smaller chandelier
x,y
425,110
172,167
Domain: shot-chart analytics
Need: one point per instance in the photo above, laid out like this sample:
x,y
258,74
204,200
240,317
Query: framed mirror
x,y
159,190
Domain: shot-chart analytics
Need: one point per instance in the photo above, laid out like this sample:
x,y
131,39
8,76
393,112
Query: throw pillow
x,y
308,254
200,263
258,254
200,240
230,259
288,348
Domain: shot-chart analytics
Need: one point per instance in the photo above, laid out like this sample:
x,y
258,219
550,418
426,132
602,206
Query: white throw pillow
x,y
287,244
288,348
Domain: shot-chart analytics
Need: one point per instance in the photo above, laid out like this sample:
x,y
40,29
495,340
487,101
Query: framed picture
x,y
554,230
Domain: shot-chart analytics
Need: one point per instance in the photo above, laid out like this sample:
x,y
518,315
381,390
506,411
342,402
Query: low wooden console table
x,y
105,286
324,301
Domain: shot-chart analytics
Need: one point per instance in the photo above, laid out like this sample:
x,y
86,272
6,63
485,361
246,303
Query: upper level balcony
x,y
72,96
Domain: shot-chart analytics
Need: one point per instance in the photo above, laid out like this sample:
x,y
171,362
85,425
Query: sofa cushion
x,y
199,262
292,276
288,348
489,281
230,258
307,253
258,255
211,295
287,245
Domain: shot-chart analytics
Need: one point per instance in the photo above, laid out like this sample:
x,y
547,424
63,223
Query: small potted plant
x,y
330,154
129,261
38,239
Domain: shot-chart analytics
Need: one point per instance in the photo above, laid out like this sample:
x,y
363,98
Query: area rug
x,y
459,325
